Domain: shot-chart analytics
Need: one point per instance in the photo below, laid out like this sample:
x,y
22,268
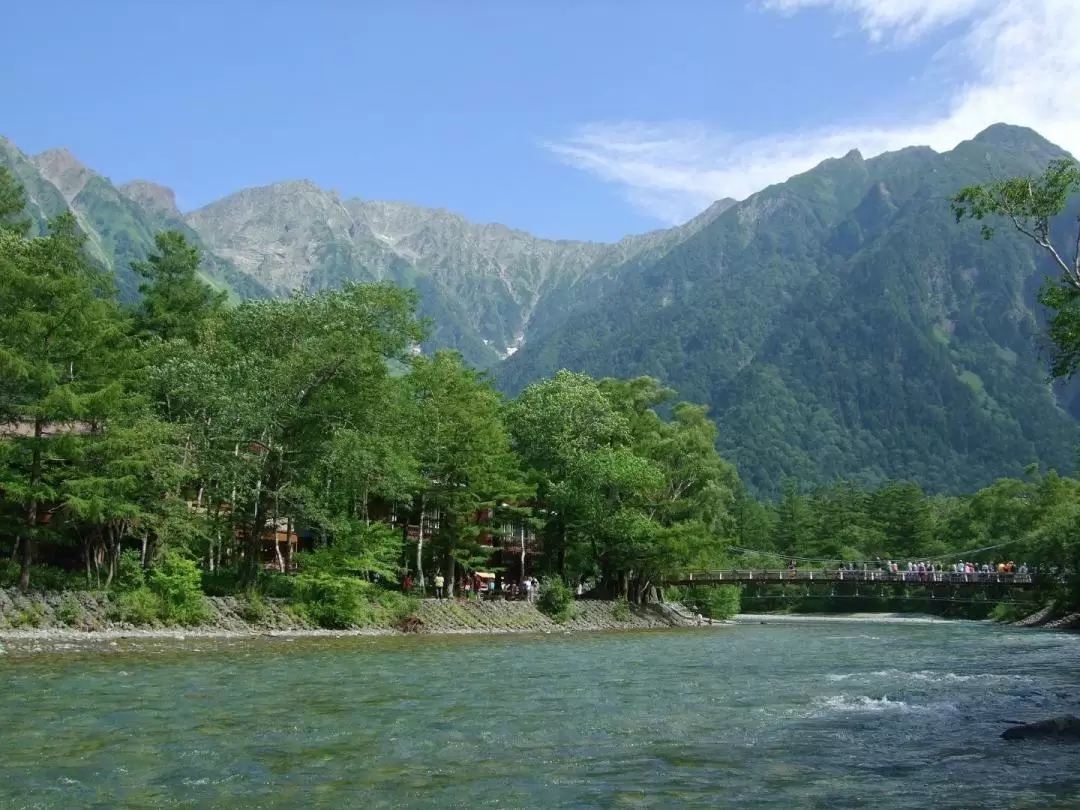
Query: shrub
x,y
31,616
129,571
275,585
139,607
42,577
223,582
332,602
254,610
1006,612
556,599
621,611
395,605
70,612
177,582
720,602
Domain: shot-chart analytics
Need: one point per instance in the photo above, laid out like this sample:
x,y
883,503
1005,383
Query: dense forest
x,y
151,448
841,324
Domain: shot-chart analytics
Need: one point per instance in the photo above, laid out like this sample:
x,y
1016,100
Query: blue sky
x,y
587,119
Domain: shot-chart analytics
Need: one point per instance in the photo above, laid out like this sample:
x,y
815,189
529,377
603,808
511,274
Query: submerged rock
x,y
1066,727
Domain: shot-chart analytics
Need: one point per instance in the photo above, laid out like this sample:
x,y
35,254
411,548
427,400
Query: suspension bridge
x,y
779,576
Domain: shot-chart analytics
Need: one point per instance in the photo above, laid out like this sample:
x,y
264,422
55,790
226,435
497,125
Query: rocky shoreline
x,y
36,622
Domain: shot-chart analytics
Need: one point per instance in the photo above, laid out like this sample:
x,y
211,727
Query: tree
x,y
1032,204
12,204
273,394
555,424
466,461
175,301
61,345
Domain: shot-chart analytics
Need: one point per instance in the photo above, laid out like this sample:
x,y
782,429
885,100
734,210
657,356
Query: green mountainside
x,y
119,225
842,324
838,324
486,288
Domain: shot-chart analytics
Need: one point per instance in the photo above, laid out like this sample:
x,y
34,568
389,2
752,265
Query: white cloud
x,y
1022,63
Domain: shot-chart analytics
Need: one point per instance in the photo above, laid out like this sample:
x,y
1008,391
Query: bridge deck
x,y
782,576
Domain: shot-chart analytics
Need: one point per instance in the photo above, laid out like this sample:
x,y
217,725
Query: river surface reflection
x,y
828,715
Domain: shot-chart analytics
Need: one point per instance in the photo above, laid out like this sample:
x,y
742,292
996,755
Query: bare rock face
x,y
152,196
1066,727
63,170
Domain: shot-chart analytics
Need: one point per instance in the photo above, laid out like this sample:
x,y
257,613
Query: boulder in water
x,y
1066,727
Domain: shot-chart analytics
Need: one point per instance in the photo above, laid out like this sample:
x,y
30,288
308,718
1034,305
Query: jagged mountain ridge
x,y
486,279
838,323
841,323
487,288
119,224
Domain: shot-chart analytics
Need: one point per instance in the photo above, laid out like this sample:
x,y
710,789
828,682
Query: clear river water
x,y
807,715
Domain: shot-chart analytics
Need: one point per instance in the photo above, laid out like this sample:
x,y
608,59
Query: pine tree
x,y
175,301
60,335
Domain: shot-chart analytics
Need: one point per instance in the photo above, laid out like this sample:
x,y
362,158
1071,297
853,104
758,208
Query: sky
x,y
577,119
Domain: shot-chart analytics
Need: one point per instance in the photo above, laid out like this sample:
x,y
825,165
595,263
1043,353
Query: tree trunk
x,y
522,577
32,510
420,549
288,544
451,572
253,551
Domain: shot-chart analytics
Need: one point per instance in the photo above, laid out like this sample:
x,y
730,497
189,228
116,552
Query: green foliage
x,y
70,612
175,301
176,581
12,204
47,578
253,608
29,618
847,333
834,325
1006,613
343,602
621,611
140,607
1031,205
718,603
130,575
556,599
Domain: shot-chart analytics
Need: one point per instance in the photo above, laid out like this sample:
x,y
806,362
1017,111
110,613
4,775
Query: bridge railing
x,y
835,575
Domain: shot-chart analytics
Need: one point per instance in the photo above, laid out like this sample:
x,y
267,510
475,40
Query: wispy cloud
x,y
1022,63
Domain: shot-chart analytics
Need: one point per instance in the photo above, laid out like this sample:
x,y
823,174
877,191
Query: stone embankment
x,y
87,615
1049,620
453,616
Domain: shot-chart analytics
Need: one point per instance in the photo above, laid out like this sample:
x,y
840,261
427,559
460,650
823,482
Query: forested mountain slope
x,y
485,287
120,229
842,323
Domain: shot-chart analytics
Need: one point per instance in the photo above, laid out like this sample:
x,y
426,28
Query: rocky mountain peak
x,y
152,196
63,170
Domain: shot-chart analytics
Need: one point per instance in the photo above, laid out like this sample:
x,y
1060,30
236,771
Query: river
x,y
816,714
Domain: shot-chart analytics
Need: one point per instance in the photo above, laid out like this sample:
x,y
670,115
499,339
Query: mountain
x,y
842,324
120,223
487,288
838,324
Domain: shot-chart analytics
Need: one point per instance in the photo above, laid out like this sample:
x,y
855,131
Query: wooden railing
x,y
767,576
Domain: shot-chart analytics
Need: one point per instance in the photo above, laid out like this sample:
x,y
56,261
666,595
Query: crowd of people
x,y
962,571
478,586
